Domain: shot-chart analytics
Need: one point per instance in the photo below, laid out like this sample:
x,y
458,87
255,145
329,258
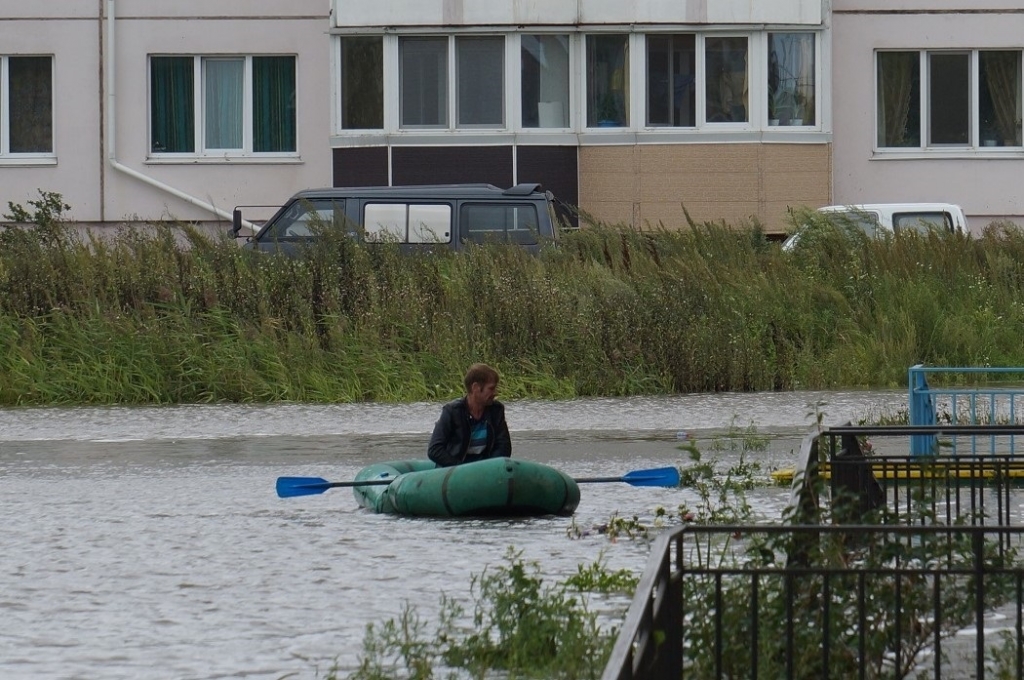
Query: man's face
x,y
485,392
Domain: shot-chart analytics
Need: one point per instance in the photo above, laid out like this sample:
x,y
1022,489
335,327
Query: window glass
x,y
273,104
299,218
922,222
791,72
861,220
385,222
607,80
949,98
223,102
899,99
726,82
671,80
362,82
30,104
430,223
423,76
999,98
545,66
247,104
172,110
488,222
480,81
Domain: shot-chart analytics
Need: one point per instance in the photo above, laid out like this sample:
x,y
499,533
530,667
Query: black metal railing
x,y
883,559
865,602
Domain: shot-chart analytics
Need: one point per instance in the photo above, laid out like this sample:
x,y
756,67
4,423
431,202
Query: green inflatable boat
x,y
496,487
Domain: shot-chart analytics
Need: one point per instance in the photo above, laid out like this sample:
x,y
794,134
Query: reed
x,y
169,314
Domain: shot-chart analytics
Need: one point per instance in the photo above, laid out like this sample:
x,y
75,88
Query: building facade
x,y
154,110
634,111
928,98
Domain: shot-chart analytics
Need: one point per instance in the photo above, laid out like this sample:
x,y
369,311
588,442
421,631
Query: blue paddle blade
x,y
301,486
666,476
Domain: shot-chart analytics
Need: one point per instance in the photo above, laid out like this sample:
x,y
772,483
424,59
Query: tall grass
x,y
170,315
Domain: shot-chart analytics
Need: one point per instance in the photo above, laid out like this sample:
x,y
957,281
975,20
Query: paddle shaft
x,y
303,486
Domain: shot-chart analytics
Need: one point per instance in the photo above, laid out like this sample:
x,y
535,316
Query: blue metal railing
x,y
962,405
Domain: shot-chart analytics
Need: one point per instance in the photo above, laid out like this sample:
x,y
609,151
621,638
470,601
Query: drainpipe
x,y
111,57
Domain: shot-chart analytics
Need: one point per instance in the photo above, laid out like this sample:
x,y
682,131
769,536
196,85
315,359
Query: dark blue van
x,y
416,217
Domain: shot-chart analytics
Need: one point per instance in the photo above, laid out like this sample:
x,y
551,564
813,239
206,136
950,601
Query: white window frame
x,y
762,89
199,110
974,143
757,94
6,156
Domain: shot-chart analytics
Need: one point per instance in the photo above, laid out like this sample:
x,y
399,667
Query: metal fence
x,y
858,602
889,565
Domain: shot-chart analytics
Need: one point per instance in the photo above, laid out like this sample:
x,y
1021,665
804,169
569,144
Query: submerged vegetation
x,y
170,315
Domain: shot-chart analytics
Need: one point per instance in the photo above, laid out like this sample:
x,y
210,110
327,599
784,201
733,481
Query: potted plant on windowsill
x,y
782,103
608,114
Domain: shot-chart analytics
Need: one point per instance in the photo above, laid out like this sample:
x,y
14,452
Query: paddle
x,y
288,487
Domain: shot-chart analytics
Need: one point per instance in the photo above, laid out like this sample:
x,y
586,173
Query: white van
x,y
875,219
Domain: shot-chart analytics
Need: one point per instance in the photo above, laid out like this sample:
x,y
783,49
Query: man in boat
x,y
472,427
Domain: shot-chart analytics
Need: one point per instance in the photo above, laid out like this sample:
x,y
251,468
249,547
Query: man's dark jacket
x,y
450,440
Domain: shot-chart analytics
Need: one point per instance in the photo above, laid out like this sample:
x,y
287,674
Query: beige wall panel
x,y
667,213
731,182
614,213
698,158
713,187
803,157
733,212
798,188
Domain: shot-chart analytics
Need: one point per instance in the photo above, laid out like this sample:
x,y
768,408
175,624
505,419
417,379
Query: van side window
x,y
923,222
864,220
407,223
497,222
297,220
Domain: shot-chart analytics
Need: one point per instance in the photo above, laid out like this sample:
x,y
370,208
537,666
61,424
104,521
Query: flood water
x,y
149,542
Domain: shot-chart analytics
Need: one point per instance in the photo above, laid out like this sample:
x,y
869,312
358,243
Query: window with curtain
x,y
791,79
927,99
999,98
26,94
236,105
726,81
362,82
607,66
545,81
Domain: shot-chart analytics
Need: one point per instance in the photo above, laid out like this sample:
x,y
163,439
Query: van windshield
x,y
297,220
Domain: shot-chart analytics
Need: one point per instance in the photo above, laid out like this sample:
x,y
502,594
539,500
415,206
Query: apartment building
x,y
163,109
634,111
927,101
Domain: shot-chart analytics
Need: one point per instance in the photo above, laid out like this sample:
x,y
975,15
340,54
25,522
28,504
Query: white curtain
x,y
223,101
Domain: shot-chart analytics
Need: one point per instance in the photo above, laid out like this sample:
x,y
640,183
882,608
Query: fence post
x,y
922,411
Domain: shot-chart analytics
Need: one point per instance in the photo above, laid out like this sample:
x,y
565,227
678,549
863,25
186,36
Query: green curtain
x,y
362,83
273,105
172,105
31,104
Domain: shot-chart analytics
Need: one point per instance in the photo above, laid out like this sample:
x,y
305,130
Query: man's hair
x,y
480,373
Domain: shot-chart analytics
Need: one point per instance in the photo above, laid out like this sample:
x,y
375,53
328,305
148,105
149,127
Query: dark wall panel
x,y
361,167
556,168
451,165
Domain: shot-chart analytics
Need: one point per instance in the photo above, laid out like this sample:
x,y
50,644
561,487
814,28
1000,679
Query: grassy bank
x,y
172,316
